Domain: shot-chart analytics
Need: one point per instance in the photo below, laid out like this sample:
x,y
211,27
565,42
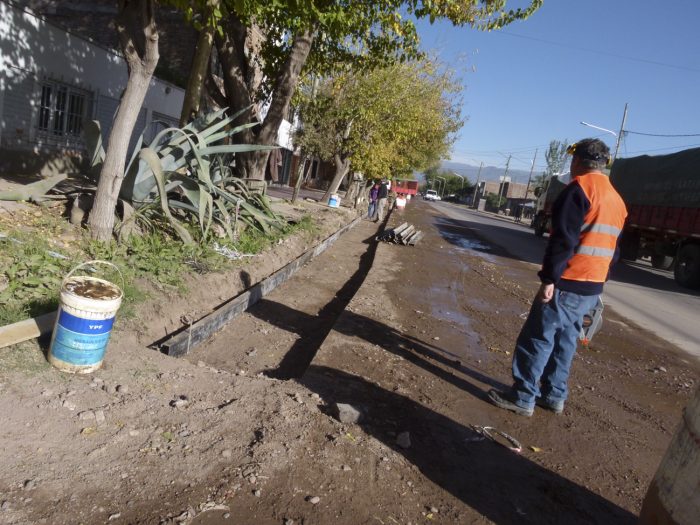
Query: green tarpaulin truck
x,y
662,194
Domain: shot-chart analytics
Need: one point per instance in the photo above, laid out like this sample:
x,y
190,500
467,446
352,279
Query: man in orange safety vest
x,y
587,219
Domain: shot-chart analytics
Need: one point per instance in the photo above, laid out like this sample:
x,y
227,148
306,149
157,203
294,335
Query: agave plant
x,y
186,171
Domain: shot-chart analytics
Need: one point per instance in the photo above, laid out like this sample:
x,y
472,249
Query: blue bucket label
x,y
79,341
85,326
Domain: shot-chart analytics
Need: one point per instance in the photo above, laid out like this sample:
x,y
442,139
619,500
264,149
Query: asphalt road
x,y
647,297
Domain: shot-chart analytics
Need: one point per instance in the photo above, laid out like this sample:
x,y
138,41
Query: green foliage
x,y
253,241
390,121
494,202
186,172
362,34
556,159
446,182
32,275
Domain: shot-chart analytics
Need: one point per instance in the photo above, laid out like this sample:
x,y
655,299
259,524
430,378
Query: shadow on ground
x,y
501,485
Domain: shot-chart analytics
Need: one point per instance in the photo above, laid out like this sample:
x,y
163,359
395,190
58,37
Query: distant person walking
x,y
373,196
587,219
518,213
382,197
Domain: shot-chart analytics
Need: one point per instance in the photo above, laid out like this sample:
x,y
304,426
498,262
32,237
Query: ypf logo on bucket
x,y
81,341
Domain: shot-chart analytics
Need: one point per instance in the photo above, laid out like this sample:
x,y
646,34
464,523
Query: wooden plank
x,y
27,329
189,337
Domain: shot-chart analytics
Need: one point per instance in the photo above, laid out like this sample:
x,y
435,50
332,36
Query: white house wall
x,y
33,51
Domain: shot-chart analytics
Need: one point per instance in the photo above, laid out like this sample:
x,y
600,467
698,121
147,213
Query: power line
x,y
589,50
663,135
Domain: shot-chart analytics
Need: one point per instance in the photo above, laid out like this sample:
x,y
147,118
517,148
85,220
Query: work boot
x,y
500,400
556,407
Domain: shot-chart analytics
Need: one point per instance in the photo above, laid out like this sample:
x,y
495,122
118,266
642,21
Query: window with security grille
x,y
62,110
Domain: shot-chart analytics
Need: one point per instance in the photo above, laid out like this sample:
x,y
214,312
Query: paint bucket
x,y
86,312
334,201
672,498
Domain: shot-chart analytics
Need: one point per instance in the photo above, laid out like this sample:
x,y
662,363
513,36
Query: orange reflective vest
x,y
602,226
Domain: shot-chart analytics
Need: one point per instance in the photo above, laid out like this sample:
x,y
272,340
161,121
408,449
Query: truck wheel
x,y
687,270
661,261
539,226
629,246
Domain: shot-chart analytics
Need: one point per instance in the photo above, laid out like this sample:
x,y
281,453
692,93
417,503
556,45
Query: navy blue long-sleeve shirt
x,y
568,213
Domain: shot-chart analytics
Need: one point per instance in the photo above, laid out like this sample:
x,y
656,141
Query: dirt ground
x,y
243,429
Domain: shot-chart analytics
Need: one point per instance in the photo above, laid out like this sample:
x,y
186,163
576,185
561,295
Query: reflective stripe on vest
x,y
602,226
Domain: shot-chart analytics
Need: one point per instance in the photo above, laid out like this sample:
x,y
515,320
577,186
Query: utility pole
x,y
505,174
532,168
476,188
622,130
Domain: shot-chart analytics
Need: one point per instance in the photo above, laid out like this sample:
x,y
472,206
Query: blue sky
x,y
573,61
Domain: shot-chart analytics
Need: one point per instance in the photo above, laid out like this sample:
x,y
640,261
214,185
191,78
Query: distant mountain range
x,y
487,172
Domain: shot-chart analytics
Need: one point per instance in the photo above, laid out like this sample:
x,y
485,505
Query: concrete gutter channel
x,y
180,343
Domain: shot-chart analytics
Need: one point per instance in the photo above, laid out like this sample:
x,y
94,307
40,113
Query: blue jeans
x,y
371,209
546,347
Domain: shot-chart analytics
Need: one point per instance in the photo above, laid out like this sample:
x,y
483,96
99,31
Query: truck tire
x,y
661,261
539,225
629,245
687,269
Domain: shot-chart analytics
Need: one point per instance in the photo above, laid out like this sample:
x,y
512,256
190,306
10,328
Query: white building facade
x,y
51,82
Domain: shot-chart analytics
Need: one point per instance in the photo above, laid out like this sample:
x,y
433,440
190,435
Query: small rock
x,y
122,389
100,416
345,468
257,493
314,500
201,364
114,516
436,338
384,458
86,415
403,440
252,480
180,402
29,484
347,413
662,369
434,510
226,515
315,396
68,404
5,505
226,453
110,389
46,393
134,433
298,398
288,521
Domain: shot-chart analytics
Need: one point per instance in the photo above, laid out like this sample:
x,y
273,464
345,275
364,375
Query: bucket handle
x,y
89,263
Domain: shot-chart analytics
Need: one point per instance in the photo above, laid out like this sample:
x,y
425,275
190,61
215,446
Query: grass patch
x,y
31,276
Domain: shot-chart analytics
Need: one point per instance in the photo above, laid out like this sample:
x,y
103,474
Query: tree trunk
x,y
241,84
342,167
200,64
300,179
140,48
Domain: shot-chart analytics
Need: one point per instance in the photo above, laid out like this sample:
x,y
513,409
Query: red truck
x,y
662,194
404,186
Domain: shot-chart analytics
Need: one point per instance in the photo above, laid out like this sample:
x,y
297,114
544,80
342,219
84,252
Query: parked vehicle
x,y
405,187
431,195
546,195
662,194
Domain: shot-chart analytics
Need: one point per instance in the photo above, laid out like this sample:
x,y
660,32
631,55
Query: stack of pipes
x,y
403,234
